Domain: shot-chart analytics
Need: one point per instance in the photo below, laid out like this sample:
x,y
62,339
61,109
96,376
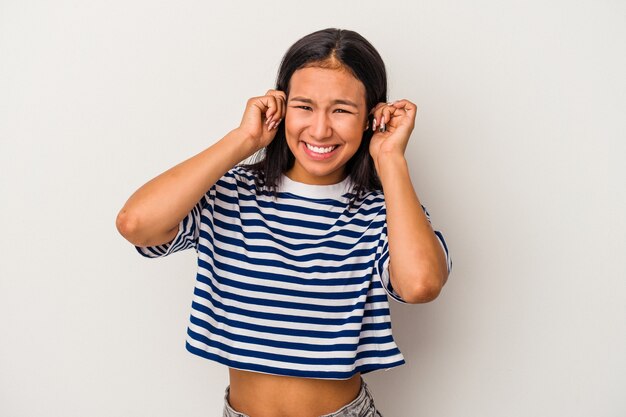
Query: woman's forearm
x,y
154,210
417,263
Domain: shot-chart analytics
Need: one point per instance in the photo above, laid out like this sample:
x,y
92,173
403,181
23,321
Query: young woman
x,y
298,251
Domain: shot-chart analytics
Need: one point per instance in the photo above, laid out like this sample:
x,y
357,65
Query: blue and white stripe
x,y
289,286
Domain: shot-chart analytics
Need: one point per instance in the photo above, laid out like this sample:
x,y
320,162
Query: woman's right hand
x,y
262,117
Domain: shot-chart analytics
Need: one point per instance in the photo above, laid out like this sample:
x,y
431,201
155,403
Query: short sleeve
x,y
442,241
382,263
187,236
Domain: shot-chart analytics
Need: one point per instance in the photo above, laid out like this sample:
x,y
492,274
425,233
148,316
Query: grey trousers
x,y
362,406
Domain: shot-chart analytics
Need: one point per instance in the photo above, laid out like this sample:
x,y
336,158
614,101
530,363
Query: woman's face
x,y
324,123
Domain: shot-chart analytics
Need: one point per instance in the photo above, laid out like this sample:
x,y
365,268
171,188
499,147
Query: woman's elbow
x,y
426,290
423,294
127,226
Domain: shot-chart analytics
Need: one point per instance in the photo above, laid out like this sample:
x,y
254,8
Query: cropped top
x,y
293,286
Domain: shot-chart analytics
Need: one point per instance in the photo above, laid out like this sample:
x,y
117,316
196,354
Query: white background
x,y
518,153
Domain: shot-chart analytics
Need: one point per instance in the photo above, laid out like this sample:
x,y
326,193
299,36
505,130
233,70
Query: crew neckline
x,y
315,191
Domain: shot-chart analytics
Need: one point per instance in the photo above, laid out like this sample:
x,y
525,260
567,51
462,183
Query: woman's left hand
x,y
398,119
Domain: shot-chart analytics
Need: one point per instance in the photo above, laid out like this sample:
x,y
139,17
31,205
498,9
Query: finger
x,y
282,106
386,113
280,94
278,116
267,100
274,92
272,109
375,112
279,98
261,103
405,105
283,97
266,106
277,112
377,107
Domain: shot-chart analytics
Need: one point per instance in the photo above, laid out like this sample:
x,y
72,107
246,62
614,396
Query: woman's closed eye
x,y
309,108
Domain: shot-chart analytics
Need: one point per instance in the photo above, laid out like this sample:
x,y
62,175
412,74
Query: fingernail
x,y
374,124
271,125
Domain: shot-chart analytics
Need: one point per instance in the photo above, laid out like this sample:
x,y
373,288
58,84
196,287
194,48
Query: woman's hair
x,y
335,49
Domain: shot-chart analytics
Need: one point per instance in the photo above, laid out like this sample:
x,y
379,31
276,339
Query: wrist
x,y
389,165
243,144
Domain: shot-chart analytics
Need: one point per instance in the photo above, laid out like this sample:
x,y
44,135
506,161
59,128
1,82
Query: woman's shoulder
x,y
372,196
240,179
240,173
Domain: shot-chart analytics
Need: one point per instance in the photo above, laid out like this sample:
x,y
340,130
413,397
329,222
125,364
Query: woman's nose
x,y
320,127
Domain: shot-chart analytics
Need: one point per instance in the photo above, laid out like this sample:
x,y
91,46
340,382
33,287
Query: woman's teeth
x,y
320,150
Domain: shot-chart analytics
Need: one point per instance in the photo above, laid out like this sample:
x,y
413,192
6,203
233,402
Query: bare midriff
x,y
264,395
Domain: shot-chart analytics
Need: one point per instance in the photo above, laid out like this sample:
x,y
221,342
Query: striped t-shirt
x,y
292,286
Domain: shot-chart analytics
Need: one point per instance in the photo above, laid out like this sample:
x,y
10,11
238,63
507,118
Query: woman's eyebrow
x,y
336,101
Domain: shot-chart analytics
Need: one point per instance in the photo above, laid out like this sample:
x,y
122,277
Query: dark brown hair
x,y
337,49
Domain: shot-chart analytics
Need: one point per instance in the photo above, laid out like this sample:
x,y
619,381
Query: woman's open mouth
x,y
319,152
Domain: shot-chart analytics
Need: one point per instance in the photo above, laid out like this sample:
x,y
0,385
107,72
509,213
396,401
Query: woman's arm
x,y
152,214
417,263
